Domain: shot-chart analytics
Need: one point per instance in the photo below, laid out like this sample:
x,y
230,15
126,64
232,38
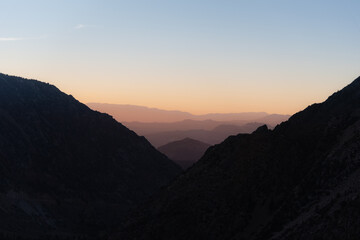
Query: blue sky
x,y
197,56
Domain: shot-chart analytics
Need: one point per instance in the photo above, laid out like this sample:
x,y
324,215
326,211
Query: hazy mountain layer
x,y
184,152
298,181
214,136
144,128
66,169
161,127
132,113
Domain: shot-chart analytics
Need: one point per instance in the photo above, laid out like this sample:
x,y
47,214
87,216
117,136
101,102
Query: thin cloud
x,y
79,26
9,39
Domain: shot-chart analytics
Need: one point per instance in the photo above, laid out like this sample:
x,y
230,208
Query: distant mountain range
x,y
133,113
214,136
297,181
151,128
68,172
161,126
184,152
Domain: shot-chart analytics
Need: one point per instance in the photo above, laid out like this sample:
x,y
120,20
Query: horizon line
x,y
181,111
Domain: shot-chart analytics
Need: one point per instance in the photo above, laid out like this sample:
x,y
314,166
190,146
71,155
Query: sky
x,y
200,56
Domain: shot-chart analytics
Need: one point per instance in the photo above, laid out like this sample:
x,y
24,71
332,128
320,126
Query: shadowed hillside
x,y
298,181
67,170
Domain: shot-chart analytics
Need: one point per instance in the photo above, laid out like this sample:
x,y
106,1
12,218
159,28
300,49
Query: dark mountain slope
x,y
184,152
299,181
66,169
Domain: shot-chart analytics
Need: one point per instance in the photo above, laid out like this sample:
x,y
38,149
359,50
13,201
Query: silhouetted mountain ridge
x,y
66,169
298,181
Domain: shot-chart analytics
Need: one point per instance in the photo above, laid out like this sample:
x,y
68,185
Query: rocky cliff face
x,y
65,169
298,181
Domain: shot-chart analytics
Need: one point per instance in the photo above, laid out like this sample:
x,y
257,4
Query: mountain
x,y
161,127
133,113
245,116
184,152
298,181
144,128
66,170
214,136
130,113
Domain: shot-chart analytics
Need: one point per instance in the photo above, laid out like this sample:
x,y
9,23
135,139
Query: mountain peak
x,y
261,129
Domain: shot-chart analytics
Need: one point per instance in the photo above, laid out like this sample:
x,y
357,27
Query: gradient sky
x,y
200,56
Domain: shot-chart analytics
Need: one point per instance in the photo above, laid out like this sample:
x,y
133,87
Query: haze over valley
x,y
161,127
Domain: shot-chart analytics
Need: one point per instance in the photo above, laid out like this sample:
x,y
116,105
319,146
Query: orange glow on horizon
x,y
228,96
